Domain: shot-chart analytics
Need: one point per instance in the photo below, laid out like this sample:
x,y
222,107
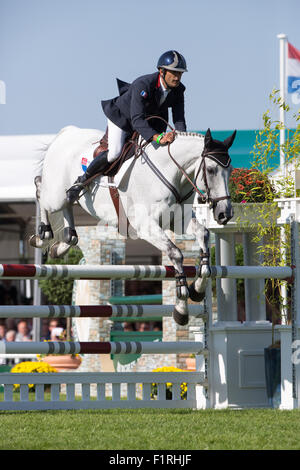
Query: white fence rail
x,y
62,390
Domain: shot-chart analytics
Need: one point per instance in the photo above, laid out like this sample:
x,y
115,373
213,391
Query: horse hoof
x,y
70,236
179,318
35,241
53,252
45,231
182,292
59,249
194,295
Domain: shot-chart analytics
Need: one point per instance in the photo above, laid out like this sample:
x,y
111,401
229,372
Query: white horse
x,y
147,200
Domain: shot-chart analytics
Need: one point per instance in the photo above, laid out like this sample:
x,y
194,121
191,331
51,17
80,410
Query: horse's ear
x,y
229,141
208,137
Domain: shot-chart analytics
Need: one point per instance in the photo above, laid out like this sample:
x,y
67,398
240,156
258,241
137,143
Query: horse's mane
x,y
189,134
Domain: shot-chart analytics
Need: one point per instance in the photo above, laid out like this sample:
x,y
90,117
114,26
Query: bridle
x,y
207,198
203,198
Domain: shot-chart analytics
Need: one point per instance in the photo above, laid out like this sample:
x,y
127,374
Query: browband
x,y
222,158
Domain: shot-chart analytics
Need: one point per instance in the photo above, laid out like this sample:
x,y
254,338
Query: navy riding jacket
x,y
141,99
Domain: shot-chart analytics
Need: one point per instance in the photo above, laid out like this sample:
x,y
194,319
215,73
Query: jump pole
x,y
107,272
96,311
117,347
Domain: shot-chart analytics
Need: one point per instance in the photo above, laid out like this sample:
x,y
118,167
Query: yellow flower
x,y
183,386
31,367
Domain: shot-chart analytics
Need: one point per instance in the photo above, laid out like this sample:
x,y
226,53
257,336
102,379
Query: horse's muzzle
x,y
223,214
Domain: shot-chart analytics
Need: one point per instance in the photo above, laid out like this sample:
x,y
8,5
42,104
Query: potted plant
x,y
252,194
249,185
191,362
63,362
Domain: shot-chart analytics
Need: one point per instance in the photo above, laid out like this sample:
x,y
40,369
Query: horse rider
x,y
148,95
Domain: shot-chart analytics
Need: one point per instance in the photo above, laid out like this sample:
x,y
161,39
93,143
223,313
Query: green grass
x,y
150,430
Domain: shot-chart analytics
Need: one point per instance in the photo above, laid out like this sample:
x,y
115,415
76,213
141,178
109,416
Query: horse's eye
x,y
210,171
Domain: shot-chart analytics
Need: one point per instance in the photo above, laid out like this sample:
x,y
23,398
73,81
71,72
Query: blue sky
x,y
60,58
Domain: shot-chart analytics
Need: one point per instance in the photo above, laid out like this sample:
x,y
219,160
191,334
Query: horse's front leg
x,y
197,288
158,238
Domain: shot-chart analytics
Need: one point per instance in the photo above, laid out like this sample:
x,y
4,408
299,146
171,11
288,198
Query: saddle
x,y
128,151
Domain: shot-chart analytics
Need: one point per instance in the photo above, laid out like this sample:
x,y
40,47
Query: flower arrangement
x,y
183,386
31,367
250,185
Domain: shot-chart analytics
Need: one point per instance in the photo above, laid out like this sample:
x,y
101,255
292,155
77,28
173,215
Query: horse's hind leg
x,y
45,232
70,237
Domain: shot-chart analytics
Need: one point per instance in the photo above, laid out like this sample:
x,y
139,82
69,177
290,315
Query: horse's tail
x,y
44,146
39,162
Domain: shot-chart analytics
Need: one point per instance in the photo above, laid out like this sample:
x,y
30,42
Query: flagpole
x,y
282,87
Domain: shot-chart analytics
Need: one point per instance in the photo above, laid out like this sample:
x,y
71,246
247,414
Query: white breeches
x,y
116,140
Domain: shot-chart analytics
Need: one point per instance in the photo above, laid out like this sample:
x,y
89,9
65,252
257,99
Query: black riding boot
x,y
98,165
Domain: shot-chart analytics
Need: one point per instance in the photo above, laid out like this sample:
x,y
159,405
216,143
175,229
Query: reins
x,y
139,150
204,198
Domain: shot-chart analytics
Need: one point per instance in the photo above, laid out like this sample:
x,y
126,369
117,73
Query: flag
x,y
293,69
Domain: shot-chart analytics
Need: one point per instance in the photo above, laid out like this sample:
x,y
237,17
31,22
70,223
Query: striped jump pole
x,y
252,272
106,272
117,347
97,311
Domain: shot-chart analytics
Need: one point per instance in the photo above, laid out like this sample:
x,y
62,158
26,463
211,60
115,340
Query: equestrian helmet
x,y
172,60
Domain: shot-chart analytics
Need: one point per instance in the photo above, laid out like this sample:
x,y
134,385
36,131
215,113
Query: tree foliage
x,y
59,291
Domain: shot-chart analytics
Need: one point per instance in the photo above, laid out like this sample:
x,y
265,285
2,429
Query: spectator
x,y
143,326
10,336
44,329
57,334
10,324
54,323
157,326
2,332
23,332
129,326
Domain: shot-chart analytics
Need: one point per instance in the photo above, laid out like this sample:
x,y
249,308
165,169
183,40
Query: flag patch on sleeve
x,y
144,94
84,163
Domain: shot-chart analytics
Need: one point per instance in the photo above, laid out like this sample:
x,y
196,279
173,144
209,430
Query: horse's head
x,y
215,170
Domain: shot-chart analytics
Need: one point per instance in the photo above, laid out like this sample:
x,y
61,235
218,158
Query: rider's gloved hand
x,y
163,139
